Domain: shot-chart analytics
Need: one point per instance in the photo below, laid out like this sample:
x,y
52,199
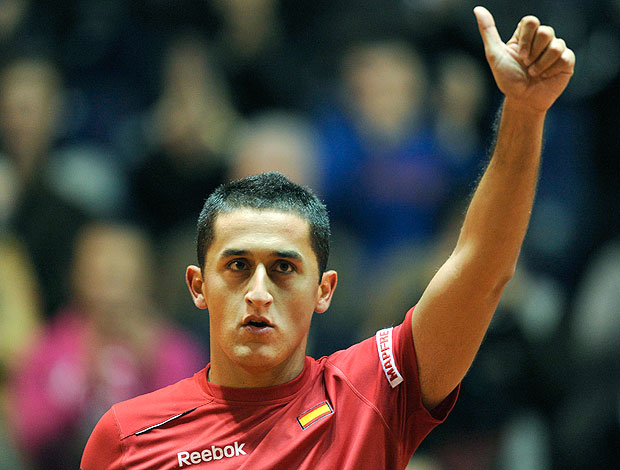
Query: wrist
x,y
524,109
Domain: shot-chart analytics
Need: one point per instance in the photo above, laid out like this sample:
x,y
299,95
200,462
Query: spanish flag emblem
x,y
314,414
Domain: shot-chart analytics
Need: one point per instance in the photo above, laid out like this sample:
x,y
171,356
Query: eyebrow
x,y
290,254
232,252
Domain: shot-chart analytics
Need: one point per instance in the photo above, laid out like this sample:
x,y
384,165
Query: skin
x,y
260,267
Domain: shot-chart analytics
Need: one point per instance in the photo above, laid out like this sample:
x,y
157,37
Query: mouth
x,y
257,325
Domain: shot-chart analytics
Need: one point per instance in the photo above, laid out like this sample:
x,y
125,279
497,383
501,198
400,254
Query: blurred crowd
x,y
118,118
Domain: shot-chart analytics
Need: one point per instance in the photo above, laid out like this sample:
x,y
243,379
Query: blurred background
x,y
118,118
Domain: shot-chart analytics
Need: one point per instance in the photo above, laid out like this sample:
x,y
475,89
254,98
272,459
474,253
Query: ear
x,y
326,288
193,278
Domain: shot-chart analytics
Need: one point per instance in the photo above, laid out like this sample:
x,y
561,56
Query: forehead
x,y
261,229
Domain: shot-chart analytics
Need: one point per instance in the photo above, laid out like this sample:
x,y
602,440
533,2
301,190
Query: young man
x,y
262,249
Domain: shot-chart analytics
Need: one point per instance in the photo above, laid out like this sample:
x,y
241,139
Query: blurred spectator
x,y
276,140
182,140
109,344
258,57
20,304
164,18
20,314
379,137
588,420
31,107
31,207
424,462
107,61
54,185
26,25
601,54
561,228
459,108
596,321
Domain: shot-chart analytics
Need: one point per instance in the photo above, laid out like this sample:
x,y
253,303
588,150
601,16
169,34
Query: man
x,y
261,403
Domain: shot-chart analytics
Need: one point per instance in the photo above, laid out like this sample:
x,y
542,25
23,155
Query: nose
x,y
258,295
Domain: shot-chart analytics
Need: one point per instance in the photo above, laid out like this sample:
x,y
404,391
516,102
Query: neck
x,y
237,376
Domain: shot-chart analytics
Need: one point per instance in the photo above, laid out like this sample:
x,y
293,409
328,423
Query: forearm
x,y
499,212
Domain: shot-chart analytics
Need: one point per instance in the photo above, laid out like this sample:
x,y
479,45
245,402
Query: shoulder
x,y
106,446
154,408
383,369
388,355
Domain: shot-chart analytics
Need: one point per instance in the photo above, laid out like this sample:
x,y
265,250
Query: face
x,y
260,287
108,279
29,107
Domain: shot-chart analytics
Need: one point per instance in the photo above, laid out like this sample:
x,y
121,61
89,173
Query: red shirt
x,y
357,409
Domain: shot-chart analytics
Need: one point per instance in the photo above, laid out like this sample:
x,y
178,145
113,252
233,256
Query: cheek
x,y
217,293
218,307
302,303
221,305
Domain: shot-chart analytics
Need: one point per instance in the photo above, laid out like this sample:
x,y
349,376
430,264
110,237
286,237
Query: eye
x,y
284,267
238,265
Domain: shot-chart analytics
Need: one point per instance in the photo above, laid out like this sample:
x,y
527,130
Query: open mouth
x,y
257,324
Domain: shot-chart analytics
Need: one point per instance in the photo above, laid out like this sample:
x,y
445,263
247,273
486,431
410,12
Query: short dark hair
x,y
265,191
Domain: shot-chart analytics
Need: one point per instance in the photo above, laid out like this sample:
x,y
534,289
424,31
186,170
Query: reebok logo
x,y
213,453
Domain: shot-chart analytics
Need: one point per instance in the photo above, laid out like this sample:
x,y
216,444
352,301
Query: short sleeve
x,y
384,370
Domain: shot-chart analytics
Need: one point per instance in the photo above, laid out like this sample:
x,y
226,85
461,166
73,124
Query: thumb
x,y
488,31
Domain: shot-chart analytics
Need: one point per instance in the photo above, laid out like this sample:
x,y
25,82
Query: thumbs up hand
x,y
533,68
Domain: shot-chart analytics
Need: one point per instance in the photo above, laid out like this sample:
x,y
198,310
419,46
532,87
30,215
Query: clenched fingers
x,y
543,37
547,57
565,64
525,34
540,50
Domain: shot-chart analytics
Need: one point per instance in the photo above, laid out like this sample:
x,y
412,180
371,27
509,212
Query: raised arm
x,y
531,69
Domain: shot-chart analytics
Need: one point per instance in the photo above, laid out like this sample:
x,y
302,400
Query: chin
x,y
260,358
